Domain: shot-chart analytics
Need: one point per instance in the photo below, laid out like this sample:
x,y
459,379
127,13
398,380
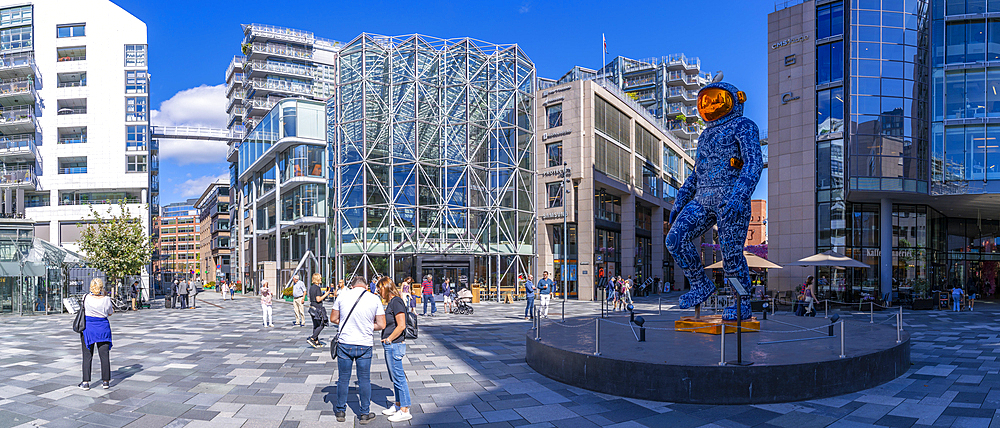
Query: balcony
x,y
18,148
262,87
263,68
235,116
676,61
261,31
235,65
17,120
639,81
235,101
19,91
18,178
263,50
17,66
236,83
257,107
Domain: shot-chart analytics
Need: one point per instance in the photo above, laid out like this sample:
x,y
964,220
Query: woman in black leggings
x,y
97,334
316,309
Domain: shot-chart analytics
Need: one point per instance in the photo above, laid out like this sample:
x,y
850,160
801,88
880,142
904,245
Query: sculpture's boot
x,y
701,288
729,314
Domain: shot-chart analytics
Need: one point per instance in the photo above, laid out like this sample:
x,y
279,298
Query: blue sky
x,y
192,42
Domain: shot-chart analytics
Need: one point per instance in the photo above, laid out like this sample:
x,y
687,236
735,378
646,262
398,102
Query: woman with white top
x,y
265,304
97,334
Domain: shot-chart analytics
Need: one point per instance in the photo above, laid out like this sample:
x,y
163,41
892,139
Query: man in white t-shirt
x,y
355,340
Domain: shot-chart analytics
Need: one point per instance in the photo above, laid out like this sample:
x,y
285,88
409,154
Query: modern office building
x,y
213,215
178,248
904,184
625,169
431,153
277,63
74,95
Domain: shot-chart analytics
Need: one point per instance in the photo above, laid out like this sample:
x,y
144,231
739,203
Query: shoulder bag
x,y
336,338
411,325
80,322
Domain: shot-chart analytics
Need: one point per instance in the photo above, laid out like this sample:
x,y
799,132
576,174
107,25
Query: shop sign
x,y
789,41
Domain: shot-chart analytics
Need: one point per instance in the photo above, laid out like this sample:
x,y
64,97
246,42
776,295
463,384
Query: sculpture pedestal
x,y
713,324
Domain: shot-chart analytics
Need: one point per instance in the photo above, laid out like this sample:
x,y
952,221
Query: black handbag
x,y
80,322
336,338
411,326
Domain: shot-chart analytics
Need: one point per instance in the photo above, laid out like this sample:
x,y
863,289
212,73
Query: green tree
x,y
116,243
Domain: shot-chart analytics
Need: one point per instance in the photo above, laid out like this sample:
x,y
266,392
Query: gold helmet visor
x,y
714,103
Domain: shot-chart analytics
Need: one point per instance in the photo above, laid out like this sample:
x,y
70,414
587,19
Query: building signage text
x,y
552,215
788,97
546,136
789,41
555,91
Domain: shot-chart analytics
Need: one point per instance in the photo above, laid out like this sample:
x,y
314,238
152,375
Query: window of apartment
x,y
136,163
554,115
554,190
135,109
554,152
829,62
71,106
73,135
136,82
70,80
135,55
73,165
829,20
74,53
135,137
15,15
70,30
15,38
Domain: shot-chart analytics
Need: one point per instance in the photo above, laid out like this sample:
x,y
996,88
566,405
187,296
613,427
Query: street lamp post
x,y
565,271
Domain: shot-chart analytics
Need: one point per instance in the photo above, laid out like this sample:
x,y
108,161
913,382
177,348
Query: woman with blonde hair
x,y
265,304
97,334
395,349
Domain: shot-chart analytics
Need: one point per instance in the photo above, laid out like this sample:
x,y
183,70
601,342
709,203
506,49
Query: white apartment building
x,y
74,114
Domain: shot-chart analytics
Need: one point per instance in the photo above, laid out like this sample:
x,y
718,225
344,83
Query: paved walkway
x,y
216,366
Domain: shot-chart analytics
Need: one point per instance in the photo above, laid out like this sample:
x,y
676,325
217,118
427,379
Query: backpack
x,y
411,325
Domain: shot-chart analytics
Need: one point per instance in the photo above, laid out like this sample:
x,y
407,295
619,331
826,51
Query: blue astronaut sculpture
x,y
726,171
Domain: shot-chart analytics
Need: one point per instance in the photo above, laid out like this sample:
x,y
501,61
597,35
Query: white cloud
x,y
203,106
525,7
194,187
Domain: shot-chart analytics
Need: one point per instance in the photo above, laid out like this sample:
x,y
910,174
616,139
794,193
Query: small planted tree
x,y
116,243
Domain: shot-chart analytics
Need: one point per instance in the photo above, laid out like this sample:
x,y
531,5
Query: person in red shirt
x,y
428,295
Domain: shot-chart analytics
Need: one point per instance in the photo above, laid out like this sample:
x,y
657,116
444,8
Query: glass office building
x,y
903,145
431,146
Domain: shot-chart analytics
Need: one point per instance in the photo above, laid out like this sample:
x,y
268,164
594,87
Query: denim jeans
x,y
426,298
529,309
346,355
956,304
394,353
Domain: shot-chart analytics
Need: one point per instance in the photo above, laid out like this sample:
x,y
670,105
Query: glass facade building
x,y
431,144
908,184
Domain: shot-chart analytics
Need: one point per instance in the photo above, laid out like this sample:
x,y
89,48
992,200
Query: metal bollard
x,y
598,337
901,317
826,308
899,328
722,354
841,339
538,328
659,305
871,307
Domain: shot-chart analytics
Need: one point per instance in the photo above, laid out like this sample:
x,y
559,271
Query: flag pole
x,y
604,52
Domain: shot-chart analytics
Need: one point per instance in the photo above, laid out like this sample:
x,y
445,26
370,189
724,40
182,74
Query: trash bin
x,y
476,290
168,302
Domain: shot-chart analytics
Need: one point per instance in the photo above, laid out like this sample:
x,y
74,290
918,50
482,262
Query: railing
x,y
16,142
279,85
72,139
260,104
17,87
295,69
18,176
281,33
73,84
684,60
71,110
36,204
15,61
639,81
71,58
16,114
126,200
237,61
73,170
281,50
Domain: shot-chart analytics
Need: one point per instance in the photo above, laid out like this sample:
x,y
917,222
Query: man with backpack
x,y
359,314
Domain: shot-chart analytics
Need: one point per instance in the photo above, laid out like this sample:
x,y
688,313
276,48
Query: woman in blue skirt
x,y
97,334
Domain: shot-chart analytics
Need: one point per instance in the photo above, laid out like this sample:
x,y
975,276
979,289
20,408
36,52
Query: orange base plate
x,y
712,324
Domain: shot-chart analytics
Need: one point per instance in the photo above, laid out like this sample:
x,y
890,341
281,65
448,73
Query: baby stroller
x,y
463,302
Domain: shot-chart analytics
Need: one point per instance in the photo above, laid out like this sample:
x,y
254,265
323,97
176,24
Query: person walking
x,y
529,295
265,304
545,286
428,294
97,334
810,292
198,287
956,298
627,293
359,314
395,349
316,309
406,293
446,293
182,291
225,289
299,291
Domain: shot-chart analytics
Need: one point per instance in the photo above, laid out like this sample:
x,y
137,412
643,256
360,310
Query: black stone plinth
x,y
683,367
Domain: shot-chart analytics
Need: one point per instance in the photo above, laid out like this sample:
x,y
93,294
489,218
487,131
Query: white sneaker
x,y
400,417
391,410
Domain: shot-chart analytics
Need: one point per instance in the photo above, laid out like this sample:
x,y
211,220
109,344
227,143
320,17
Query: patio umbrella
x,y
829,258
753,261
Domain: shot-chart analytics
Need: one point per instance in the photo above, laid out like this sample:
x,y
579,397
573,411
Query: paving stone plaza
x,y
216,366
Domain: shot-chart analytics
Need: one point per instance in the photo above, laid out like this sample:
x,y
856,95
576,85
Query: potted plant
x,y
921,296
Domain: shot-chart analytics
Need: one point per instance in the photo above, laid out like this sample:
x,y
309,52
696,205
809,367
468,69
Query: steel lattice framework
x,y
431,153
